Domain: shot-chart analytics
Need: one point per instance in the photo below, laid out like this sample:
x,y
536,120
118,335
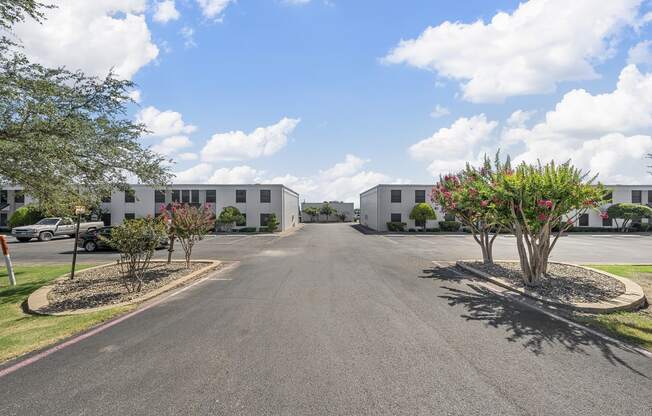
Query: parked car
x,y
95,240
47,228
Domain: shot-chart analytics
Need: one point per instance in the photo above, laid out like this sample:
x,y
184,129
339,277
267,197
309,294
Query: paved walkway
x,y
331,322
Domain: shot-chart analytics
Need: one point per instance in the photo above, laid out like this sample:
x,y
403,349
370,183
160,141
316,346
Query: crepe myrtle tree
x,y
471,197
422,212
188,224
626,212
543,202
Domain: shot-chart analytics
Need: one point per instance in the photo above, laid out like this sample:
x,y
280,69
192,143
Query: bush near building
x,y
626,213
27,215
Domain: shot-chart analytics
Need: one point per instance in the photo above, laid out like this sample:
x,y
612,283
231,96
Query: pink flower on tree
x,y
545,203
604,215
542,217
484,203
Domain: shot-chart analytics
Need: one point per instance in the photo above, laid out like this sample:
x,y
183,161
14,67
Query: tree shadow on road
x,y
534,330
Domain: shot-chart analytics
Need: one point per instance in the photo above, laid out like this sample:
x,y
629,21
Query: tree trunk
x,y
170,249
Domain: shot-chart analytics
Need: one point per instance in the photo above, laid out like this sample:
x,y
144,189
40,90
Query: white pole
x,y
10,267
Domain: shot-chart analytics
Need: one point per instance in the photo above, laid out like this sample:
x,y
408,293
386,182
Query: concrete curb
x,y
38,300
632,299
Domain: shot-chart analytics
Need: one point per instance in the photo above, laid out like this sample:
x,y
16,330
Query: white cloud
x,y
605,133
163,123
188,35
94,36
296,2
172,145
213,9
640,53
188,156
519,118
196,174
166,11
237,145
351,165
439,111
238,174
135,95
454,143
542,43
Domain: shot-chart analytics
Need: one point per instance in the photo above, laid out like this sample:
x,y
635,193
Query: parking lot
x,y
581,248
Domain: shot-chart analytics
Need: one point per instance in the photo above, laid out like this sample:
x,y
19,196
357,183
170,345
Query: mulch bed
x,y
566,283
103,286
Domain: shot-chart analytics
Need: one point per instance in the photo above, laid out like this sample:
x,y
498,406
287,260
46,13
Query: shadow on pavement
x,y
362,229
534,330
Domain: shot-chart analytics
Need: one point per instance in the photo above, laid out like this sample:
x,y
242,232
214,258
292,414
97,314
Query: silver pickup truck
x,y
47,228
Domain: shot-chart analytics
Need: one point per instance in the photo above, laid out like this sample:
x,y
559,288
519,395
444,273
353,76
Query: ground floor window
x,y
106,219
396,217
263,219
130,216
584,220
419,223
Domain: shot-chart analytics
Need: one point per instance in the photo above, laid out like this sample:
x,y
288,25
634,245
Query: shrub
x,y
411,230
272,223
136,241
396,226
26,215
432,230
450,226
423,212
627,213
247,230
263,230
229,217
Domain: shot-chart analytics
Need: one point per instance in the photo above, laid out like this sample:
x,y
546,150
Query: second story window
x,y
159,197
396,195
211,197
130,195
265,196
419,196
637,197
240,196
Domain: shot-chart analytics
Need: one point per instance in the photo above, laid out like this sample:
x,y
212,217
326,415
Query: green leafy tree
x,y
470,196
626,213
272,223
327,210
65,136
543,198
229,217
423,212
313,212
136,241
187,224
26,215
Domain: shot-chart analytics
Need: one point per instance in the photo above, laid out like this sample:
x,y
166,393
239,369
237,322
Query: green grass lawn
x,y
20,332
635,327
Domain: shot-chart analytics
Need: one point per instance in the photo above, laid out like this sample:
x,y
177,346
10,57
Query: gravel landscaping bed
x,y
103,286
566,283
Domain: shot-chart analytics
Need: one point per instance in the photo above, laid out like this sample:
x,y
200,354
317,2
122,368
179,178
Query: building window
x,y
419,196
106,199
130,195
607,222
106,219
159,197
637,197
263,219
19,197
194,196
396,195
265,196
130,216
242,223
240,196
3,196
649,197
176,195
3,219
396,217
185,196
211,196
584,220
609,196
449,217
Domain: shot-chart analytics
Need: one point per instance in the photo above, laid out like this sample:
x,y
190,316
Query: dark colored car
x,y
97,240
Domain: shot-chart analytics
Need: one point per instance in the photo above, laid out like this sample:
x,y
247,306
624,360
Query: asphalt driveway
x,y
329,321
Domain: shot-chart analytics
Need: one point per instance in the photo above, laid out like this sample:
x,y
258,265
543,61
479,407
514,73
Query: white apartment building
x,y
393,203
345,208
255,201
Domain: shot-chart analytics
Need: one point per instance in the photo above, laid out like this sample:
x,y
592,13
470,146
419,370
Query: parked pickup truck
x,y
47,228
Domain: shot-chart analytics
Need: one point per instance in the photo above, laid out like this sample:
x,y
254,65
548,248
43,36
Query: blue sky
x,y
340,104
